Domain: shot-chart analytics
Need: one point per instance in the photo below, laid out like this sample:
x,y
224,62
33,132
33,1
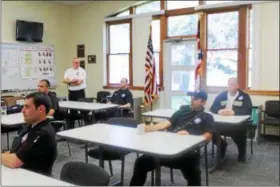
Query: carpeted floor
x,y
261,169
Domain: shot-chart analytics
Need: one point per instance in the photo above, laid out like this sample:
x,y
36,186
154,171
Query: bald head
x,y
124,82
233,85
75,63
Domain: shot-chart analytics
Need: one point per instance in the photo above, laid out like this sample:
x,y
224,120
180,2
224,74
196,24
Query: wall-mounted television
x,y
29,31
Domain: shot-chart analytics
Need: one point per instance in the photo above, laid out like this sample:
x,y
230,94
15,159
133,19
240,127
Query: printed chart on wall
x,y
24,64
35,63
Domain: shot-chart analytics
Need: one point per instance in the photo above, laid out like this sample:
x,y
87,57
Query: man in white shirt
x,y
229,103
75,78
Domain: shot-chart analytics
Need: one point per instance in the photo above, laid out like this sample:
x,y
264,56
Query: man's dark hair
x,y
40,99
47,82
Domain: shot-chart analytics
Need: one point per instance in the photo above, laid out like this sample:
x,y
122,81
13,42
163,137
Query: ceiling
x,y
70,3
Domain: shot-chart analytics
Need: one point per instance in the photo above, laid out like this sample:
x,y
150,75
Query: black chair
x,y
271,114
102,96
86,116
111,154
60,124
84,174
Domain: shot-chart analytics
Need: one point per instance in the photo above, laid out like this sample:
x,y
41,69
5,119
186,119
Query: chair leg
x,y
122,170
152,178
252,132
111,167
171,176
213,149
8,143
68,144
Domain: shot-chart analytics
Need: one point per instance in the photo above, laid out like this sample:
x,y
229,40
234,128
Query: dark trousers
x,y
240,139
73,115
189,165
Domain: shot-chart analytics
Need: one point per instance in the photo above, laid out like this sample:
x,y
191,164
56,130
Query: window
x,y
124,13
249,46
216,2
119,52
222,48
156,45
171,5
182,25
148,7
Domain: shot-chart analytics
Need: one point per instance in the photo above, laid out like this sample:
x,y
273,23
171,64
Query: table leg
x,y
217,159
86,151
101,161
158,172
206,164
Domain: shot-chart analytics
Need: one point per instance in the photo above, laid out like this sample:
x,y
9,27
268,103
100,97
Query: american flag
x,y
199,65
150,88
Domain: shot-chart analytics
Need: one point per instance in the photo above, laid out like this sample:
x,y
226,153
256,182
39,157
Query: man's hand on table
x,y
226,112
183,132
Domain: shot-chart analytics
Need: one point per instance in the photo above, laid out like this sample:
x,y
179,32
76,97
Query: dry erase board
x,y
23,65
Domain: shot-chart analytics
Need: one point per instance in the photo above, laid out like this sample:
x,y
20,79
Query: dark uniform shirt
x,y
36,147
241,106
122,97
54,104
195,122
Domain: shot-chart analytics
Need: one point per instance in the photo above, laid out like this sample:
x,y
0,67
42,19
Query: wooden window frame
x,y
242,45
108,24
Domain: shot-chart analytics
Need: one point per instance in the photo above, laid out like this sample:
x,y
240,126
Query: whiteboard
x,y
23,65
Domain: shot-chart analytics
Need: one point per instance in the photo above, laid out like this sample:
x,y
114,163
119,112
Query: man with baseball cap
x,y
187,120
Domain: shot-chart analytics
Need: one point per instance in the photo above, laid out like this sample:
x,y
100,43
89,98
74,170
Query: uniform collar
x,y
44,122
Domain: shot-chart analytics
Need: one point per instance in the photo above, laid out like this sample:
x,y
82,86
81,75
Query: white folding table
x,y
228,121
154,143
23,177
85,106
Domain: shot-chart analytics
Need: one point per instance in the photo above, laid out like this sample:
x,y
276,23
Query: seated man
x,y
122,97
34,148
229,103
191,120
43,87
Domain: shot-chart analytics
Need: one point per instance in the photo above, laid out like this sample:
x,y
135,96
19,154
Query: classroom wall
x,y
91,34
67,26
56,28
265,71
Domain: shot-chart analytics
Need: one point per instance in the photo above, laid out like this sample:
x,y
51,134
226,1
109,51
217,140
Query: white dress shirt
x,y
231,99
80,74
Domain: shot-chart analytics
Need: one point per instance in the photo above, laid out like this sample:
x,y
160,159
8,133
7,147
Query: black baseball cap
x,y
199,94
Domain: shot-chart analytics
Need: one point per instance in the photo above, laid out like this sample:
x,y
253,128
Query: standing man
x,y
34,148
188,120
229,103
122,97
75,78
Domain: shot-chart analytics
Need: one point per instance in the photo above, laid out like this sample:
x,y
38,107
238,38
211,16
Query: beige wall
x,y
65,27
56,19
265,71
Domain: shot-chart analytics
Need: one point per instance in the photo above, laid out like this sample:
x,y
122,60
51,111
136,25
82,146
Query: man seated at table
x,y
229,103
43,87
122,97
188,120
34,148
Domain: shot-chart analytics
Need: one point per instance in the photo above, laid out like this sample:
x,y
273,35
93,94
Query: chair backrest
x,y
62,98
102,96
272,108
84,174
88,99
121,121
